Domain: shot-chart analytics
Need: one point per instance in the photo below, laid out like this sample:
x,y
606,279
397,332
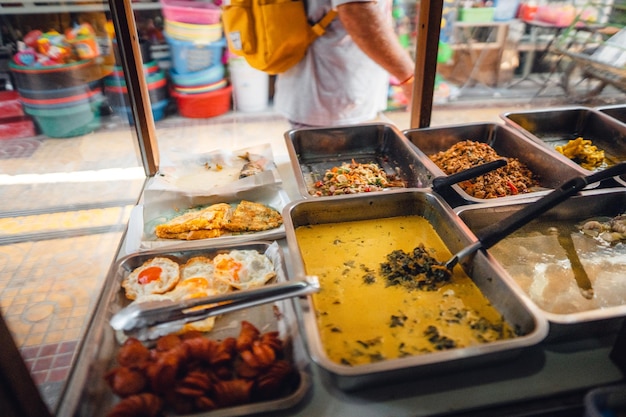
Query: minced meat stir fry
x,y
512,179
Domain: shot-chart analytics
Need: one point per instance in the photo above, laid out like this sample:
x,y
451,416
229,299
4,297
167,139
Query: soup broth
x,y
541,266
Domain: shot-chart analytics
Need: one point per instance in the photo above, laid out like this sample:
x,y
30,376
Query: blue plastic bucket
x,y
192,79
188,56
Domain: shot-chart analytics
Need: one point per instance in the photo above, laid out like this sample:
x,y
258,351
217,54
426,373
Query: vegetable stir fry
x,y
353,177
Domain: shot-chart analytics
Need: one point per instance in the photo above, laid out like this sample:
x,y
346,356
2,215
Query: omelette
x,y
196,224
218,219
253,217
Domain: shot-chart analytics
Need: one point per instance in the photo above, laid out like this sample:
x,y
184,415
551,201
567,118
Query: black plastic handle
x,y
492,234
467,174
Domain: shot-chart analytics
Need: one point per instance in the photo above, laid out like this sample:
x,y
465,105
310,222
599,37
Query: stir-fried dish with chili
x,y
512,179
354,177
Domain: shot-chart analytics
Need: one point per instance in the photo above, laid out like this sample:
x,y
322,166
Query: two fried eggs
x,y
164,278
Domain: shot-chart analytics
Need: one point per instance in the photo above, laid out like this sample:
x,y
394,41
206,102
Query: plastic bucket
x,y
92,96
57,93
153,79
193,32
118,95
188,56
205,105
158,111
148,68
250,86
192,79
185,11
68,121
205,88
56,76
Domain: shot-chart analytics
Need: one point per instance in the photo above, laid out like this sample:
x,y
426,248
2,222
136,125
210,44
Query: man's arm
x,y
373,33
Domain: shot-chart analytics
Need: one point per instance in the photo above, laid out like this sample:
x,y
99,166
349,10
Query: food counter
x,y
546,378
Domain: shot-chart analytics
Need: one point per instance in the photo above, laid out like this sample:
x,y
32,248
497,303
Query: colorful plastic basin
x,y
59,92
204,105
202,88
158,111
188,56
148,68
68,121
56,76
153,79
193,32
193,79
189,11
59,103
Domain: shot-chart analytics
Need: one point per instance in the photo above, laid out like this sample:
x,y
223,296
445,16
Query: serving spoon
x,y
493,233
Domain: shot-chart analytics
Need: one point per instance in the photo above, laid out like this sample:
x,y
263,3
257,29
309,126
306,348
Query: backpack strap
x,y
320,27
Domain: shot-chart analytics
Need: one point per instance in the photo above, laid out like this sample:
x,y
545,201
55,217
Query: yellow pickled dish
x,y
583,152
361,321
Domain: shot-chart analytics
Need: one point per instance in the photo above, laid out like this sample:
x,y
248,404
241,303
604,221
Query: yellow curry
x,y
362,319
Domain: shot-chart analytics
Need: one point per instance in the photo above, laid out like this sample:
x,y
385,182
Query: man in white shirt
x,y
344,76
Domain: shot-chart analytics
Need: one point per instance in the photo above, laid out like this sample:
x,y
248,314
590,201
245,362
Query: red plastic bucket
x,y
204,105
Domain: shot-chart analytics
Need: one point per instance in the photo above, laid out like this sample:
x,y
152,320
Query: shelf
x,y
478,46
13,7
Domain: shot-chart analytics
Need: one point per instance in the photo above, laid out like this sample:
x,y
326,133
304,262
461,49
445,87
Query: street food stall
x,y
288,294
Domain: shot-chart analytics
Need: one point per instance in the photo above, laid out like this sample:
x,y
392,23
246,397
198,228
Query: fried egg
x,y
243,269
195,287
201,266
155,276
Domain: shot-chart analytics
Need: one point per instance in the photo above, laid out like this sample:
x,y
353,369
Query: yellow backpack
x,y
272,35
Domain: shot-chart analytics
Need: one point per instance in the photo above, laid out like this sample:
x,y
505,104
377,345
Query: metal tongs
x,y
151,319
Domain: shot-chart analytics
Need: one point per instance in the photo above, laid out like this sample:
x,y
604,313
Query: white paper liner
x,y
216,172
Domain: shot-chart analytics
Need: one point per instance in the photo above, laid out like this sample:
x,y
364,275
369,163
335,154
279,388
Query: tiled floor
x,y
59,236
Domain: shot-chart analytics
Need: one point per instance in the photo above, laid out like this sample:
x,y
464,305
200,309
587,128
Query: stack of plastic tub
x,y
194,33
63,99
14,123
116,91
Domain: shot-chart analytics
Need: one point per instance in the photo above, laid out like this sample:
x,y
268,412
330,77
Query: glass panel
x,y
70,174
515,52
69,179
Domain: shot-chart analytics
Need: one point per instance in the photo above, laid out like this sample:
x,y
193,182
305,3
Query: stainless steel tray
x,y
616,111
590,203
506,299
87,393
506,142
557,126
313,151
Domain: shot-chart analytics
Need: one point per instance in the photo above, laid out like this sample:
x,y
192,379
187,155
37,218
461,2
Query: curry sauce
x,y
362,319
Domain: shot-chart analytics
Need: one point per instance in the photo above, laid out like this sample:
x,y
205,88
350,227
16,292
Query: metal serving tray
x,y
517,311
557,126
87,393
313,151
588,204
551,171
617,111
